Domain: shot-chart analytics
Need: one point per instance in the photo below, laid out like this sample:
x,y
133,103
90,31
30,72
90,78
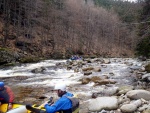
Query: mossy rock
x,y
95,79
125,89
6,56
147,68
4,49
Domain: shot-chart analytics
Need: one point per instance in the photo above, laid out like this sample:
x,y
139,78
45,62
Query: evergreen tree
x,y
143,47
126,10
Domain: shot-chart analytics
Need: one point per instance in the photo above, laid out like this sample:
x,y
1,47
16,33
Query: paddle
x,y
38,110
34,110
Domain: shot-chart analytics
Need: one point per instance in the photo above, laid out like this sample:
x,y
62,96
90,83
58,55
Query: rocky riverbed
x,y
103,85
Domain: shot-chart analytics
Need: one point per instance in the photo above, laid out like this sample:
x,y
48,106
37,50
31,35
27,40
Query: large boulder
x,y
6,56
138,94
107,103
128,108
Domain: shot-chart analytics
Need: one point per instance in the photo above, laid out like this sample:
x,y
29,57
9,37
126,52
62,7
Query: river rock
x,y
138,94
107,103
144,107
137,102
110,91
85,80
87,73
97,69
38,70
125,89
123,99
87,69
146,77
147,68
128,108
106,81
106,61
146,111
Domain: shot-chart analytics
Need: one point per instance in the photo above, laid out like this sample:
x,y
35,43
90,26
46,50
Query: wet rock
x,y
97,69
138,94
123,99
124,89
147,68
88,60
128,108
106,61
105,81
144,107
85,80
146,77
110,91
94,95
87,73
38,70
137,102
69,67
142,58
104,66
95,79
87,69
6,56
103,111
111,74
135,67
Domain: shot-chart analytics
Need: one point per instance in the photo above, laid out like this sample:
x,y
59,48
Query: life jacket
x,y
3,95
65,111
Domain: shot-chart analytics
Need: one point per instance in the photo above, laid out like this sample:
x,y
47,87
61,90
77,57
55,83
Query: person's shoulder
x,y
69,94
6,87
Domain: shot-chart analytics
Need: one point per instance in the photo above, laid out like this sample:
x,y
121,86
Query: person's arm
x,y
50,109
54,107
10,94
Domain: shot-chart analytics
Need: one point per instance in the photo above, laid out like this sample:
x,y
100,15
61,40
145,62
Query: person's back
x,y
6,95
63,103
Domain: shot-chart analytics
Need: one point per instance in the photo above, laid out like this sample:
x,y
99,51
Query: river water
x,y
32,86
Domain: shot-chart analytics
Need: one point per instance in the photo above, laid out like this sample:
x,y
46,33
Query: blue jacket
x,y
63,103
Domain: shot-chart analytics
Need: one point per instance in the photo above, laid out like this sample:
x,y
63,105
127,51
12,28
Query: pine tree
x,y
143,47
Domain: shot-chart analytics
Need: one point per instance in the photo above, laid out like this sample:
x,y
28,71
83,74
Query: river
x,y
33,82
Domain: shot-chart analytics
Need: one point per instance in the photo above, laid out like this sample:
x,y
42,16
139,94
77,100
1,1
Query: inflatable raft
x,y
20,108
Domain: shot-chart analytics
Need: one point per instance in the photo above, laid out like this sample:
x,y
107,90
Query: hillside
x,y
59,29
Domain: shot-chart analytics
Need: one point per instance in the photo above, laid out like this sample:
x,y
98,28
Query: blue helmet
x,y
1,84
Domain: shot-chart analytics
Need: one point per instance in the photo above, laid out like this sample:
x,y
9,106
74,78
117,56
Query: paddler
x,y
6,95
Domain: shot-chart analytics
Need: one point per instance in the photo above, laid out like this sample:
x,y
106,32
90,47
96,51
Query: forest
x,y
61,28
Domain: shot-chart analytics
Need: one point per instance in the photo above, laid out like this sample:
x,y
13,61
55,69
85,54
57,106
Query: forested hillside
x,y
127,11
143,46
60,28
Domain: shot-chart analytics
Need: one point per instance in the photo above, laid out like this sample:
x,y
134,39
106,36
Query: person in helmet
x,y
6,95
63,103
